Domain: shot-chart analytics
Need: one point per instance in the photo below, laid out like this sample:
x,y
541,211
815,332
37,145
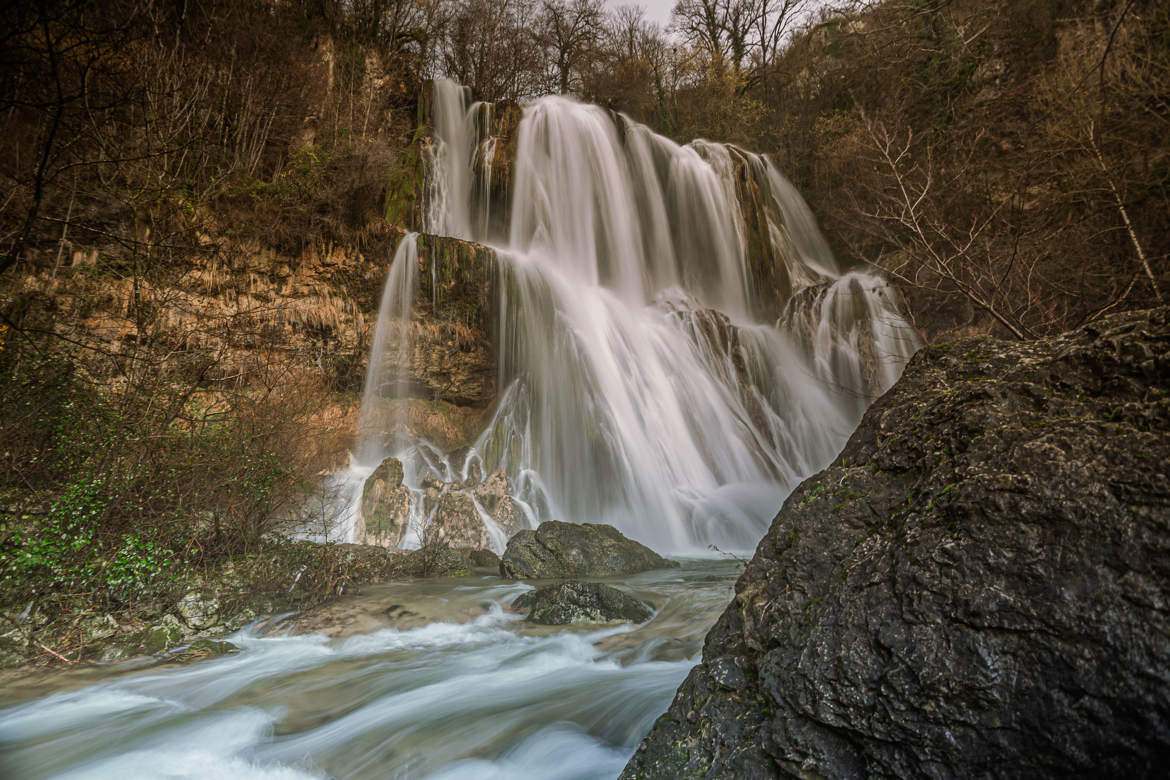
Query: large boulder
x,y
385,506
978,586
581,602
558,550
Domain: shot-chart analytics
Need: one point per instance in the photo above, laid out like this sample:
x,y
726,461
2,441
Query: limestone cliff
x,y
978,586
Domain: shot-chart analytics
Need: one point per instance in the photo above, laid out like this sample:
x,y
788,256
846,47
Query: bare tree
x,y
774,19
569,30
935,251
700,23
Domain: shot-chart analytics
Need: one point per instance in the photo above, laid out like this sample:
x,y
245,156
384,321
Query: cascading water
x,y
647,382
386,374
456,202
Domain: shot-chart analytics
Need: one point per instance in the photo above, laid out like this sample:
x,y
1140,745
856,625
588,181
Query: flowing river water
x,y
423,679
677,349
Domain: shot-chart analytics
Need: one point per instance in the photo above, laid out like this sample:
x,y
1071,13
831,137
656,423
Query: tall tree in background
x,y
570,31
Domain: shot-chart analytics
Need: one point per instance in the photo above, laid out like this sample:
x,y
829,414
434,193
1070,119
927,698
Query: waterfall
x,y
456,199
677,346
387,375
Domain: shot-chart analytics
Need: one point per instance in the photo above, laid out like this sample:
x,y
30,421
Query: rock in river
x,y
557,550
978,586
581,602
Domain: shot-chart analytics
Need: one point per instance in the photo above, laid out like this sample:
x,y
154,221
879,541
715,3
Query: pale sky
x,y
656,10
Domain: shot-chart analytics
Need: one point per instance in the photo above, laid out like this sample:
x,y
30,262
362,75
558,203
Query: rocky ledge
x,y
979,585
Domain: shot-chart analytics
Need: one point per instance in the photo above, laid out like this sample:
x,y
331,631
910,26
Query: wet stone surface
x,y
977,586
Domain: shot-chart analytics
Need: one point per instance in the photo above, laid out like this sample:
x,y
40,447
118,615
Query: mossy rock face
x,y
978,585
438,560
162,636
404,183
484,559
557,550
199,610
385,506
582,602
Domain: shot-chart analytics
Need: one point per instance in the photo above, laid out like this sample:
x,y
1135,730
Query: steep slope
x,y
977,586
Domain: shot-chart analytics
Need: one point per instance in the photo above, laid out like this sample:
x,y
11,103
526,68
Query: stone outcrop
x,y
454,519
581,602
385,506
978,586
458,523
558,550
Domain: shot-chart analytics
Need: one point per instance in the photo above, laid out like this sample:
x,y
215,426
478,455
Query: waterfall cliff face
x,y
677,346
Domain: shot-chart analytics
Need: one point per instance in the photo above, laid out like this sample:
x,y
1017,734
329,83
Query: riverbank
x,y
210,603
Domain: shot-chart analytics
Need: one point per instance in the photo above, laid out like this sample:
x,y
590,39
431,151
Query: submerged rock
x,y
202,649
978,586
558,550
581,602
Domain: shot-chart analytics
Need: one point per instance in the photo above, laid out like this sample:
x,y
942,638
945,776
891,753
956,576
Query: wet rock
x,y
581,602
484,559
198,610
164,635
978,586
457,523
559,550
385,506
432,490
492,490
438,560
201,650
158,638
474,472
492,494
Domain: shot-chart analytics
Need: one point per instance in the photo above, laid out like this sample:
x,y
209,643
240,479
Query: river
x,y
432,678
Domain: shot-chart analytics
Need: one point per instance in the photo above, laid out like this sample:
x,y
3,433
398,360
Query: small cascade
x,y
387,374
677,345
459,164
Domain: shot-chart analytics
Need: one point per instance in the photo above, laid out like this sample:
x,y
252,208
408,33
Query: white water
x,y
644,383
473,693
